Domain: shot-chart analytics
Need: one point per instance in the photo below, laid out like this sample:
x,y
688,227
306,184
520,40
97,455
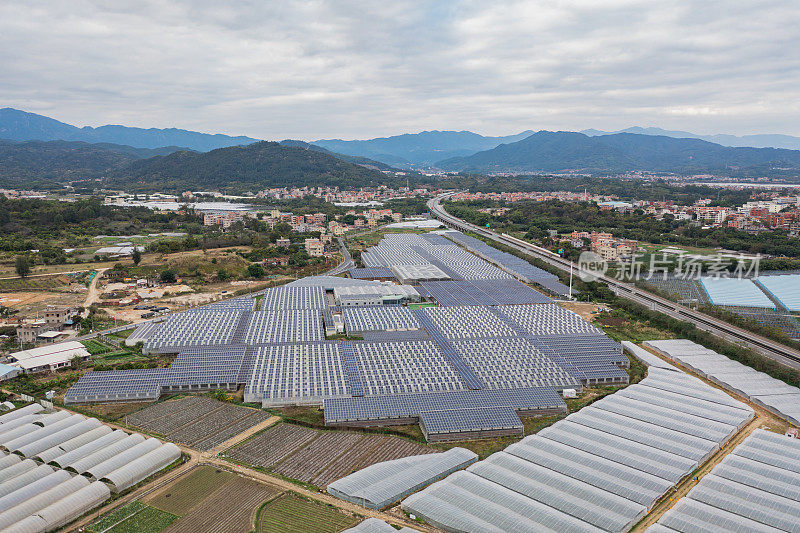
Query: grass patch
x,y
292,512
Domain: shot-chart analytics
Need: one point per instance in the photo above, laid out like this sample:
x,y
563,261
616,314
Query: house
x,y
29,333
49,358
9,372
58,316
315,248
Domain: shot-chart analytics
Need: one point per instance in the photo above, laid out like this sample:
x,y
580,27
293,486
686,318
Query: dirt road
x,y
93,294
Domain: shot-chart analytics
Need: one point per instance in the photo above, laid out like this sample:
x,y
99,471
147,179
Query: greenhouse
x,y
382,484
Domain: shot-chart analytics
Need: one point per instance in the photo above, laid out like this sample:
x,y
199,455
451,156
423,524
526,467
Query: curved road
x,y
347,260
772,349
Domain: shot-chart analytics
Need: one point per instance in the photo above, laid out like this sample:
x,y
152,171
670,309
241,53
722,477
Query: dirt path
x,y
93,294
242,436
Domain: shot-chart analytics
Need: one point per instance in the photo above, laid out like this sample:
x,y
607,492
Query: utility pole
x,y
570,280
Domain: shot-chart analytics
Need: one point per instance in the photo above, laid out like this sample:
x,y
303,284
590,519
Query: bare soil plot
x,y
292,512
266,449
316,455
369,450
197,421
180,497
230,509
320,457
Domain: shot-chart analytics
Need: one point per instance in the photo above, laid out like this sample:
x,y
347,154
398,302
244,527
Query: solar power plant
x,y
294,325
293,297
143,332
359,319
404,367
482,292
467,322
785,289
735,291
341,411
512,363
600,469
452,422
195,327
396,336
116,385
755,488
547,319
297,373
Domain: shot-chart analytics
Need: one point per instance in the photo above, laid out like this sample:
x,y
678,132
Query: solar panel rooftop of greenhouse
x,y
485,331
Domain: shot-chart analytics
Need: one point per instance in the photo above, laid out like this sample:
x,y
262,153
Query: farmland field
x,y
197,421
231,509
179,498
291,512
135,517
320,457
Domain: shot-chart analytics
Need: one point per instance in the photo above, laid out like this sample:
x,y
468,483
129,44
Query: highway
x,y
772,349
347,260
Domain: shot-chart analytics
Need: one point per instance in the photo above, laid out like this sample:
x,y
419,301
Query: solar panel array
x,y
548,319
116,385
292,325
195,328
512,363
455,421
786,289
760,388
408,406
735,291
404,367
404,350
297,373
293,297
483,292
370,273
600,469
755,488
384,318
467,322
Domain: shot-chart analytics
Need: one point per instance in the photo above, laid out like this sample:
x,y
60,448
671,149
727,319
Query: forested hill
x,y
356,160
547,151
65,160
252,167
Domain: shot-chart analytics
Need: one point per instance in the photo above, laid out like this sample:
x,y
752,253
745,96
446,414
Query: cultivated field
x,y
135,517
197,421
209,500
292,512
320,457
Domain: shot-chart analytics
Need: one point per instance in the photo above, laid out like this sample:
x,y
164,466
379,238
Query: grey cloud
x,y
360,69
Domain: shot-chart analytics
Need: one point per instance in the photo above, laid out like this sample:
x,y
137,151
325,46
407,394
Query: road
x,y
94,293
767,347
347,260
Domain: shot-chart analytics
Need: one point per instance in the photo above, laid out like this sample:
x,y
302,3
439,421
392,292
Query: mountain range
x,y
767,140
41,148
547,151
19,125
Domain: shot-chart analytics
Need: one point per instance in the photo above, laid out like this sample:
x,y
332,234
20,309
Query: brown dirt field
x,y
583,309
230,509
183,495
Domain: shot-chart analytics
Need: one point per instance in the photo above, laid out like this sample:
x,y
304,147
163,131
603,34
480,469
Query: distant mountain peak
x,y
20,125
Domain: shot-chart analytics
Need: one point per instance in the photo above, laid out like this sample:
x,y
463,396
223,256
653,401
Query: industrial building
x,y
49,358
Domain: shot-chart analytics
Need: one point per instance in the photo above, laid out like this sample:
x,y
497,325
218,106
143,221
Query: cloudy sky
x,y
346,69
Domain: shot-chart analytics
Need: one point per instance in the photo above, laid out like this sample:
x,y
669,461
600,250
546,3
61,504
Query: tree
x,y
222,274
136,255
255,271
23,266
168,276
